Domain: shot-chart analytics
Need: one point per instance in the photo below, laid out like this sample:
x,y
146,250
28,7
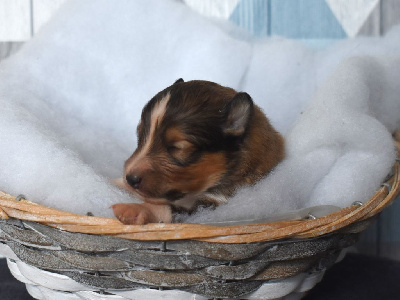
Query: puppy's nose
x,y
134,181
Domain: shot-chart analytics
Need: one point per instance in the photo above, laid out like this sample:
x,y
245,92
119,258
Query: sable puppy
x,y
198,142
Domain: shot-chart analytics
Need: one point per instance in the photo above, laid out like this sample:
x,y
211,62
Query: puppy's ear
x,y
238,112
179,80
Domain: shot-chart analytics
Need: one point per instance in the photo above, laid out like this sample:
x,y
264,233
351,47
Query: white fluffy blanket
x,y
71,99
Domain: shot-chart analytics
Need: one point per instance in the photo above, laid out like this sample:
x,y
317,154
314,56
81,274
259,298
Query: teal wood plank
x,y
304,19
252,15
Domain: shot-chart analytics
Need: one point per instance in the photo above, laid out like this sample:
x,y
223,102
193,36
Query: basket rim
x,y
26,210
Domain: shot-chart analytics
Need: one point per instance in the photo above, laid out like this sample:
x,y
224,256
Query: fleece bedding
x,y
72,96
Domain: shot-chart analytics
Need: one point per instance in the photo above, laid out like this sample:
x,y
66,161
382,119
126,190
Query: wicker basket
x,y
61,255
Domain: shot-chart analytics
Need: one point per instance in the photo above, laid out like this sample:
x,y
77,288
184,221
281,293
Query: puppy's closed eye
x,y
179,148
181,151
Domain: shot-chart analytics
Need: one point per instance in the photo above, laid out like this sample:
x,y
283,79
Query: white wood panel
x,y
390,14
15,20
352,14
43,10
211,8
372,26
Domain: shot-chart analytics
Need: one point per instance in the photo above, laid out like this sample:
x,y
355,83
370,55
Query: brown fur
x,y
197,142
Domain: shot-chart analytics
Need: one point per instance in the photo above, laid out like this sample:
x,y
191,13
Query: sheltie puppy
x,y
198,142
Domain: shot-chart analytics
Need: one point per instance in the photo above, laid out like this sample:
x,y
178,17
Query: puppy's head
x,y
186,136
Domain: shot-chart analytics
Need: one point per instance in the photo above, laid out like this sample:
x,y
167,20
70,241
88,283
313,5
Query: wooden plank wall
x,y
21,19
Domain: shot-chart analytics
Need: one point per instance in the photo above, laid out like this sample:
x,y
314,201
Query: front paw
x,y
133,213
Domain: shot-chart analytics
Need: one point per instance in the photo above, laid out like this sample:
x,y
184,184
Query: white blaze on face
x,y
156,118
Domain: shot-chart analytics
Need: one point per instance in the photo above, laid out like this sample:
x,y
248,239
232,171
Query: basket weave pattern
x,y
213,261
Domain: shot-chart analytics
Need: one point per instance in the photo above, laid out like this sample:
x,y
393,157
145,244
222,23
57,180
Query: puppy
x,y
198,142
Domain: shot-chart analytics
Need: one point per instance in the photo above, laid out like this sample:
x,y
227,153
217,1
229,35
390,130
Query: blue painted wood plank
x,y
252,15
304,19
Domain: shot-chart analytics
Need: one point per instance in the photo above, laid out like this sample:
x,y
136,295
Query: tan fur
x,y
198,177
257,161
